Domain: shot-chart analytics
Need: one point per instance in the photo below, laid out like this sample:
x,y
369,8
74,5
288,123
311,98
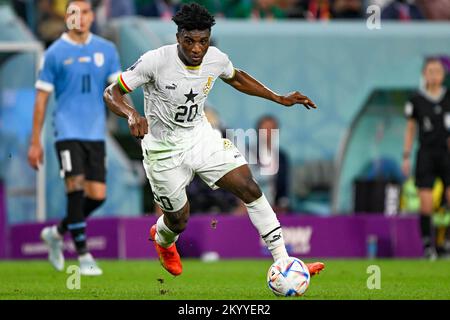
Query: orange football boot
x,y
169,257
315,268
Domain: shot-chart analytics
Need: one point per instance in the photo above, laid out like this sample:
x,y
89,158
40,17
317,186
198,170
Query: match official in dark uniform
x,y
429,111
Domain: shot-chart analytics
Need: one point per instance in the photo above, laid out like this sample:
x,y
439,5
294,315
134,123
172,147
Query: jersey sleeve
x,y
410,110
228,70
115,68
140,73
47,73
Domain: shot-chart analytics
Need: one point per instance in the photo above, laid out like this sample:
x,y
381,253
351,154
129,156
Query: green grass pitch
x,y
226,279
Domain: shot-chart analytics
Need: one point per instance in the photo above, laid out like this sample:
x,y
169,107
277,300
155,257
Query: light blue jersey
x,y
78,74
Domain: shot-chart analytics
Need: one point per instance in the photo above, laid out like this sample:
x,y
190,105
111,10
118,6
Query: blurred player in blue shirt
x,y
77,67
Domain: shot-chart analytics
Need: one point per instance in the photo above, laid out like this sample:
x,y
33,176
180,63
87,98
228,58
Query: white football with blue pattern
x,y
288,277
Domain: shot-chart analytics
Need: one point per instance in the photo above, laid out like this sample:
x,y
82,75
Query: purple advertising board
x,y
235,237
305,236
103,240
3,222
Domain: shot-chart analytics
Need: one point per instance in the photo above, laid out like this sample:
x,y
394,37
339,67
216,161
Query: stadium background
x,y
360,78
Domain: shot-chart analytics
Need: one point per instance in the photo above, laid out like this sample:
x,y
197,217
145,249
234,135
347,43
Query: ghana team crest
x,y
227,144
208,85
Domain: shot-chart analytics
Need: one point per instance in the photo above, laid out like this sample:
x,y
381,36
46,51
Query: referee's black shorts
x,y
86,158
432,163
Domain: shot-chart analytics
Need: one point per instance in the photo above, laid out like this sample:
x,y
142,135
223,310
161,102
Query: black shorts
x,y
432,164
86,158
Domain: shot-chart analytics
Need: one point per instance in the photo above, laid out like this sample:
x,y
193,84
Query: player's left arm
x,y
245,83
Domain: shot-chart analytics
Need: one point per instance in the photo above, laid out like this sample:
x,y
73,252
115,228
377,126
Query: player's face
x,y
79,16
193,45
434,74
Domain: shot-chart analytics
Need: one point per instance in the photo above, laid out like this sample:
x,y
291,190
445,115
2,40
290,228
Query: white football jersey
x,y
175,95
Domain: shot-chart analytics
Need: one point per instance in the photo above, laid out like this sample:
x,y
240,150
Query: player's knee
x,y
95,189
74,183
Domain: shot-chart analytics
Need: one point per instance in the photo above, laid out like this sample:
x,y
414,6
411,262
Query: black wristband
x,y
406,155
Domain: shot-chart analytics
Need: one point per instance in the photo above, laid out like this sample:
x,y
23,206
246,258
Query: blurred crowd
x,y
46,17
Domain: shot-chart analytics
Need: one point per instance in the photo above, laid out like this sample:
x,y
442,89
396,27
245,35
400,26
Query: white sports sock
x,y
265,220
86,257
164,236
55,233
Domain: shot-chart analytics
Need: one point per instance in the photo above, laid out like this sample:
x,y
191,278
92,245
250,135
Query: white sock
x,y
85,257
55,233
265,220
164,236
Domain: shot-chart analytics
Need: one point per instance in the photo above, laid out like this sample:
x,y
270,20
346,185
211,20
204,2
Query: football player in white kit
x,y
178,141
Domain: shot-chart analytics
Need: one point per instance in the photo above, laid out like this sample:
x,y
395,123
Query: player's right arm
x,y
410,133
116,101
45,87
35,150
140,73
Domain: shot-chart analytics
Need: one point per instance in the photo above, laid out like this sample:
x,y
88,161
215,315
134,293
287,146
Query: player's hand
x,y
138,125
406,167
296,98
35,155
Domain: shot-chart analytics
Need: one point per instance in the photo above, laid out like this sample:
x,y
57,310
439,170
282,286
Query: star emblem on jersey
x,y
190,96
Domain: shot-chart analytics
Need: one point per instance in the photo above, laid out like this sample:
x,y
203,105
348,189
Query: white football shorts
x,y
210,159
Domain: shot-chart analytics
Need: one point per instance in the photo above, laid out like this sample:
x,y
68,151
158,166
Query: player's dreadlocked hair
x,y
193,16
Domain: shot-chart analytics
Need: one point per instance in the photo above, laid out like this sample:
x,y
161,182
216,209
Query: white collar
x,y
434,99
66,38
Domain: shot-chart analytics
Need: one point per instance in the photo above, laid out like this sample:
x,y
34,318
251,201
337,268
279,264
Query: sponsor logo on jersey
x,y
99,59
171,87
68,61
84,59
208,85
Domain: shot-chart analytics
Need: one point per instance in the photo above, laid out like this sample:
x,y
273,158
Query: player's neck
x,y
434,90
182,58
77,37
